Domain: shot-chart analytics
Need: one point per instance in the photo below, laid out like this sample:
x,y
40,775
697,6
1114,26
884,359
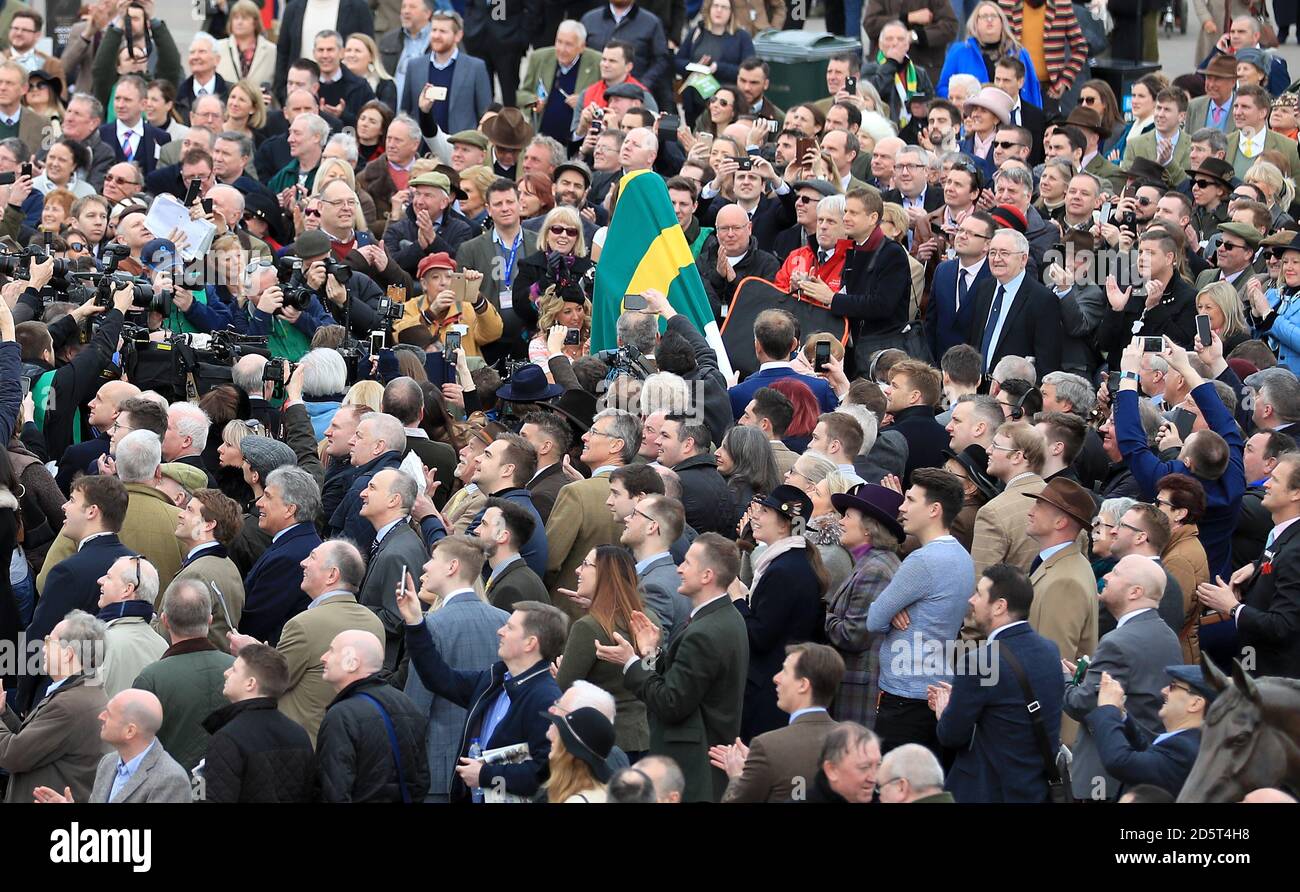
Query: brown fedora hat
x,y
1070,498
1221,65
1088,119
508,129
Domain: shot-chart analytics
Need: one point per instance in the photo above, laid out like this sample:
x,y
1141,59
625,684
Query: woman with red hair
x,y
806,412
536,196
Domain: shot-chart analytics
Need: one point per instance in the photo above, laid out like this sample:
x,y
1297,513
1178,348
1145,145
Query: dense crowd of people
x,y
968,479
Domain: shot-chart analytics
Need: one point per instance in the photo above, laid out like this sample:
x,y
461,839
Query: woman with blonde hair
x,y
245,110
366,393
362,58
558,266
230,459
894,224
246,55
474,182
331,169
581,742
1279,191
559,312
991,38
607,576
1220,302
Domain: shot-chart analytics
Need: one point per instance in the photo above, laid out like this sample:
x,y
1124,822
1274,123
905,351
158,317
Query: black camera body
x,y
624,360
389,310
339,270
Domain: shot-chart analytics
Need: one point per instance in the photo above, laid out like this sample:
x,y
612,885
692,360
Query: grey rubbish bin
x,y
798,61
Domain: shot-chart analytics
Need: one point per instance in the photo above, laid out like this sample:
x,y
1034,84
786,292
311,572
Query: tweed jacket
x,y
464,630
541,69
781,761
159,778
1000,527
218,574
579,522
305,637
188,681
693,694
846,630
1145,146
57,745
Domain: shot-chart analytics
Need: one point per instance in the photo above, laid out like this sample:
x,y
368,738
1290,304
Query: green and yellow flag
x,y
646,249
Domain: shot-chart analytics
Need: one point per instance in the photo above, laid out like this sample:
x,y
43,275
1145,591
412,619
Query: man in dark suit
x,y
398,549
342,93
93,517
948,317
204,79
1133,756
505,527
768,214
1009,77
775,341
914,390
1254,522
1135,654
1014,314
460,79
349,17
693,690
984,713
131,136
770,767
654,524
503,469
731,255
289,505
1266,617
551,436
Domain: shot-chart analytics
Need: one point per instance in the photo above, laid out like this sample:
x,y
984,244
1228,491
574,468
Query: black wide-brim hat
x,y
588,736
875,501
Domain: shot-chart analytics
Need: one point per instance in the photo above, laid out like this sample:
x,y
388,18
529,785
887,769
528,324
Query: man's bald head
x,y
140,708
1145,573
732,215
640,148
891,144
354,654
1268,794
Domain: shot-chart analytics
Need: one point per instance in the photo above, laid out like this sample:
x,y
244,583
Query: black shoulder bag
x,y
1058,785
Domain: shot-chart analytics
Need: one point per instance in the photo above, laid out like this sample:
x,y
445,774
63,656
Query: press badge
x,y
439,94
506,298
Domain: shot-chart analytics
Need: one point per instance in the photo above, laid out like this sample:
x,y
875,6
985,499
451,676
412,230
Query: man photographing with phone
x,y
452,299
1214,456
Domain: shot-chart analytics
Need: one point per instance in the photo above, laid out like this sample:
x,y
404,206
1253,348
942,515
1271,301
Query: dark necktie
x,y
374,550
995,313
1038,562
963,285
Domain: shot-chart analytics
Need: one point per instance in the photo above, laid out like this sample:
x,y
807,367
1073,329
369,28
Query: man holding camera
x,y
68,374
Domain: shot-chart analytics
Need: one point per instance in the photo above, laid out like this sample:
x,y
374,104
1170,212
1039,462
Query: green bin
x,y
798,61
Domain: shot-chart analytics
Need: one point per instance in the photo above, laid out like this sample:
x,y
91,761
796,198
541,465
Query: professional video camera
x,y
624,360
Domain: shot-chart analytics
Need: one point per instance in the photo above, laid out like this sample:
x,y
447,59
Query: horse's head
x,y
1241,748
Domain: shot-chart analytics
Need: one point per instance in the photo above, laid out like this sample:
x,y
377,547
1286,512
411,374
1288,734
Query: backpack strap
x,y
392,742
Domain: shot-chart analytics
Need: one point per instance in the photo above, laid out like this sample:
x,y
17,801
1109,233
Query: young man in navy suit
x,y
93,517
1134,756
952,303
983,713
132,137
775,340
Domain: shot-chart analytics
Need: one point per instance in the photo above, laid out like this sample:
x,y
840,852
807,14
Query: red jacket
x,y
805,260
596,92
